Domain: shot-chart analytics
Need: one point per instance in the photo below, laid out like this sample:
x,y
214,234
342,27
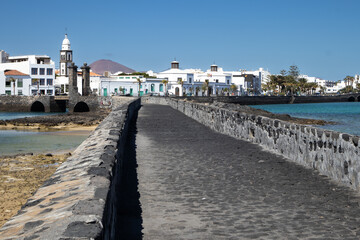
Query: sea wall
x,y
331,153
260,100
79,200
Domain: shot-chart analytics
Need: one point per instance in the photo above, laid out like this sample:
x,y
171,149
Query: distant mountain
x,y
104,65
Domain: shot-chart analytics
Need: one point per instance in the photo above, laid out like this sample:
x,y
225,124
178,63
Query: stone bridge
x,y
74,101
184,170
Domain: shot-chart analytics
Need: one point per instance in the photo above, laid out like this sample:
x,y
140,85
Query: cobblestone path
x,y
195,183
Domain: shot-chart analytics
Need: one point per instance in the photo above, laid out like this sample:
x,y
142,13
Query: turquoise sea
x,y
15,142
346,114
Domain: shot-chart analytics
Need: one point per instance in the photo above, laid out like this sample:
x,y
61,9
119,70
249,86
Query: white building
x,y
133,85
249,82
327,85
40,68
176,78
13,82
217,79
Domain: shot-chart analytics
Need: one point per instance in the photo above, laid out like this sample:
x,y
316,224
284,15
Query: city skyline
x,y
317,36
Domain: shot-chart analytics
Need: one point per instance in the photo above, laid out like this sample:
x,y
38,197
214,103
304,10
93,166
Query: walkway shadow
x,y
129,210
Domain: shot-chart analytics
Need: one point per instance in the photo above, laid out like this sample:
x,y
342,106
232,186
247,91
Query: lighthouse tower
x,y
65,57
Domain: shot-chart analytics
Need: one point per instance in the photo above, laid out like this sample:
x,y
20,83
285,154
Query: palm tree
x,y
197,89
165,82
322,89
206,83
203,88
138,80
302,83
181,82
233,88
348,80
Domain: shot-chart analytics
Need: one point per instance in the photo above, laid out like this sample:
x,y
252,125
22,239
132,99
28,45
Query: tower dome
x,y
65,43
175,64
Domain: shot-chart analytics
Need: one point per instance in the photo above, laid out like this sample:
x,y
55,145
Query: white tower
x,y
65,57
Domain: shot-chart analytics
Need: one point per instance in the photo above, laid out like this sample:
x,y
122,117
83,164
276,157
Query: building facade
x,y
40,69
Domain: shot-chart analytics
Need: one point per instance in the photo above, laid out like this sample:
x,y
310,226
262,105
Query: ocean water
x,y
346,115
15,142
13,115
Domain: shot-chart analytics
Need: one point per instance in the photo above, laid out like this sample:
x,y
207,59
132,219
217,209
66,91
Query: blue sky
x,y
321,37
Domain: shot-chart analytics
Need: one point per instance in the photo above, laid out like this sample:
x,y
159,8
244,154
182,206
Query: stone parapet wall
x,y
331,153
79,200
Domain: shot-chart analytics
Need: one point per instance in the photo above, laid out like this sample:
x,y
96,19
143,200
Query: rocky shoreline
x,y
61,121
283,117
20,176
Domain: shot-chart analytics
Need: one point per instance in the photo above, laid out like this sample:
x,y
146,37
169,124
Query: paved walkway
x,y
197,184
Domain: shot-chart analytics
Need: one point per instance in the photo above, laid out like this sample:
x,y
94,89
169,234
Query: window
x,y
42,81
33,92
161,88
8,92
42,71
49,81
127,77
20,92
133,77
34,71
34,81
228,81
67,88
8,83
217,80
49,71
19,83
49,92
190,80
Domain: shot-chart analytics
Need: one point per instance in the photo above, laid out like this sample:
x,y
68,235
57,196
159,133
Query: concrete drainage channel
x,y
83,198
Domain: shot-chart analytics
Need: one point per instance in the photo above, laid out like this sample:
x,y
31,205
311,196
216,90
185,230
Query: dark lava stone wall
x,y
331,153
80,200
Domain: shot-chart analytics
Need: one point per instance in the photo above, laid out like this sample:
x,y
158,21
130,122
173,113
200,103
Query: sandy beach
x,y
21,176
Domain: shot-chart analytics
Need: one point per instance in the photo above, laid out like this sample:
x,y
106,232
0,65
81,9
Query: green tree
x,y
349,80
205,87
165,82
233,88
294,71
181,82
138,80
302,84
